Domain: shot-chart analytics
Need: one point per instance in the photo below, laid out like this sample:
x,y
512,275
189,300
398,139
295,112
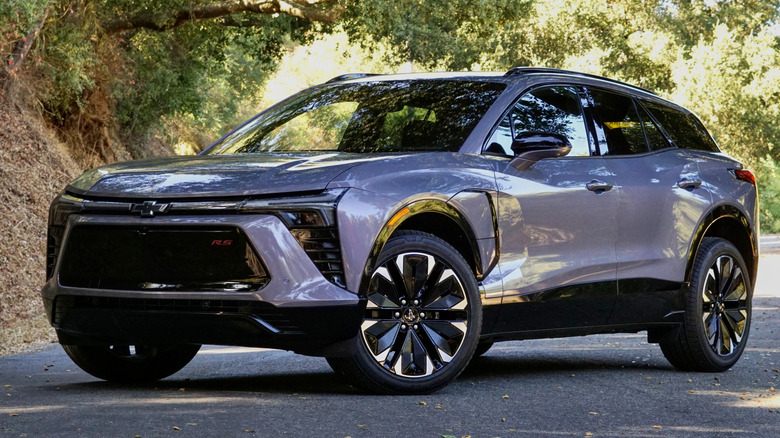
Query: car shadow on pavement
x,y
316,382
503,367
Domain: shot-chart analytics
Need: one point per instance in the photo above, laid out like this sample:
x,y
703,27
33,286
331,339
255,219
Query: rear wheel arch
x,y
730,223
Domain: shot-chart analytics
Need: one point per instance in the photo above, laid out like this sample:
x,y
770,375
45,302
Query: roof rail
x,y
348,76
517,71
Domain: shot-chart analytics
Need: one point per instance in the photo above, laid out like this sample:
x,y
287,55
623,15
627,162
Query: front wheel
x,y
422,321
131,363
717,311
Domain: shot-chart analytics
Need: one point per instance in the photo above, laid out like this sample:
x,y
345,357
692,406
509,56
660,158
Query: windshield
x,y
382,116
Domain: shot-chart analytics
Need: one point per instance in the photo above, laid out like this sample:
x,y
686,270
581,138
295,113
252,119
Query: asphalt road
x,y
600,386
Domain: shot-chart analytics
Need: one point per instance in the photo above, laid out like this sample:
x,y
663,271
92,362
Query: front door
x,y
556,221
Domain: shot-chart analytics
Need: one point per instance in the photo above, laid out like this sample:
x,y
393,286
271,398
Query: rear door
x,y
660,202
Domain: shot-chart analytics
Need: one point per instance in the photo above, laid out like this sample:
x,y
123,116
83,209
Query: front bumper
x,y
297,309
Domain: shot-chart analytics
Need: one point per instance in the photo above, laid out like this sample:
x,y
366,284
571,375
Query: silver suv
x,y
400,225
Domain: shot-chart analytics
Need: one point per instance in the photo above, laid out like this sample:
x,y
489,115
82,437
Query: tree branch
x,y
24,45
304,9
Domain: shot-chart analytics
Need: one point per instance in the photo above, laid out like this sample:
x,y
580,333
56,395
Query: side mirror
x,y
532,146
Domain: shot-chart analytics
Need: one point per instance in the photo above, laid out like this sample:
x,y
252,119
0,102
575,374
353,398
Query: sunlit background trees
x,y
131,78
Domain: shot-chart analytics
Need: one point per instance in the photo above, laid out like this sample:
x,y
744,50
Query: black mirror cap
x,y
540,140
532,146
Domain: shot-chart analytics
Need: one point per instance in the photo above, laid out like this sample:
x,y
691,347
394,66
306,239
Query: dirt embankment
x,y
34,167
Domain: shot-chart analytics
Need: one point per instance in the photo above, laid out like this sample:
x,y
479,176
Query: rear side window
x,y
620,122
655,139
686,130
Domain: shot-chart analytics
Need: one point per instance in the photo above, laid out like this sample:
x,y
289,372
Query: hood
x,y
215,175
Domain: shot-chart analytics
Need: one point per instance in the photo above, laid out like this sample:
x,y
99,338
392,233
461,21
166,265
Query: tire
x,y
422,321
131,363
483,348
717,311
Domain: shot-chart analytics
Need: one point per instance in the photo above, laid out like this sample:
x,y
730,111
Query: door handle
x,y
598,186
688,183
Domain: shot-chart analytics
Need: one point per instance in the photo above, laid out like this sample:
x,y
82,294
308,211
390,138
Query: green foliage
x,y
203,72
733,83
768,172
16,19
450,34
68,61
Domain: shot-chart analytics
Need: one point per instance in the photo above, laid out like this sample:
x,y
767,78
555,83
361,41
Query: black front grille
x,y
287,322
322,247
161,258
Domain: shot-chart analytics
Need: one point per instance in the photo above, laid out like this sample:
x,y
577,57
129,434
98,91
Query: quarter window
x,y
686,130
554,109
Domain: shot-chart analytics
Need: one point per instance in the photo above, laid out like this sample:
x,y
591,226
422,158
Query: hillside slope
x,y
34,167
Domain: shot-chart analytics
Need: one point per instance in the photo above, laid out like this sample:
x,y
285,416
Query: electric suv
x,y
399,225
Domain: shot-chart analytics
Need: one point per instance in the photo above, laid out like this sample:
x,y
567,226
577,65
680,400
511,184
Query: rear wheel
x,y
422,321
717,312
131,363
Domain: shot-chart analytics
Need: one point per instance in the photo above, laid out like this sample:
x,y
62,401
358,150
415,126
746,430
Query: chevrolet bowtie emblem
x,y
149,208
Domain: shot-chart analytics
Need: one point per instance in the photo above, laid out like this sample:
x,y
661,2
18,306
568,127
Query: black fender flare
x,y
416,208
713,217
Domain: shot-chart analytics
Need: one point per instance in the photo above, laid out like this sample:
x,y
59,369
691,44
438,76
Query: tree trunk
x,y
303,9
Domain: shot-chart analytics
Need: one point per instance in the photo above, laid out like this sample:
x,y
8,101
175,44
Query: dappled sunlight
x,y
187,400
232,350
11,410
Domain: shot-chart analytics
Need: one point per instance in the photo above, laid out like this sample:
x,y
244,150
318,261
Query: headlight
x,y
312,221
60,209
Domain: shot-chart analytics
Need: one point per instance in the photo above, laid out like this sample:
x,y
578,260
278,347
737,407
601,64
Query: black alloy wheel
x,y
724,305
718,311
422,320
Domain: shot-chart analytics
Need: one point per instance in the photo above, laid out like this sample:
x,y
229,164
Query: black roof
x,y
517,71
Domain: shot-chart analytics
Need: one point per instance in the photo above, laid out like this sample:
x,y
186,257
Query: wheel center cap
x,y
411,315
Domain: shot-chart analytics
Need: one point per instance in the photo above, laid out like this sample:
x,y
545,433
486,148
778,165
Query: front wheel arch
x,y
438,219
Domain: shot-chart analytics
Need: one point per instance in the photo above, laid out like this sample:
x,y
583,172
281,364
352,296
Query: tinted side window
x,y
686,130
554,109
620,122
655,138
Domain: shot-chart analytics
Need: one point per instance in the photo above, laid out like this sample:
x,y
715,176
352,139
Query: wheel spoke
x,y
735,321
431,346
447,336
726,275
446,294
711,327
736,291
413,360
395,351
380,336
726,347
384,293
415,269
709,285
397,278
